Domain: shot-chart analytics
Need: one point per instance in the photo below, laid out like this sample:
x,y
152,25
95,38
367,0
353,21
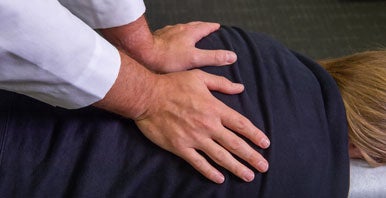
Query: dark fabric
x,y
51,152
318,29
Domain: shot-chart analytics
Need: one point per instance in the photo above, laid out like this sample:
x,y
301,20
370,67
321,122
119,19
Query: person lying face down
x,y
295,101
361,79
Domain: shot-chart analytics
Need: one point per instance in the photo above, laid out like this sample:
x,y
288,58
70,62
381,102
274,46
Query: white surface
x,y
367,182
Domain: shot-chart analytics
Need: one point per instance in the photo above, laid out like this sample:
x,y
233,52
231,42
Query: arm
x,y
37,61
167,50
173,49
52,61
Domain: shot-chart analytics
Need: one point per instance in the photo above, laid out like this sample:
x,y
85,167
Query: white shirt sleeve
x,y
51,55
106,13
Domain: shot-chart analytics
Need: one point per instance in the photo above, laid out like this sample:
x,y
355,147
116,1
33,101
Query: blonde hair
x,y
361,79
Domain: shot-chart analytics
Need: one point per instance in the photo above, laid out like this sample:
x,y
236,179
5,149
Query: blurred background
x,y
317,28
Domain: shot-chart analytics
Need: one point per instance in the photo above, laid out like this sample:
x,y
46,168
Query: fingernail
x,y
238,85
263,166
248,176
231,57
265,143
219,178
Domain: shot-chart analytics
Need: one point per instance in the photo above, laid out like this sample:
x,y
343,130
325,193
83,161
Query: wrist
x,y
135,39
132,91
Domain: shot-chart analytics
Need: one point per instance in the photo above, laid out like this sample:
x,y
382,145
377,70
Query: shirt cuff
x,y
64,64
98,78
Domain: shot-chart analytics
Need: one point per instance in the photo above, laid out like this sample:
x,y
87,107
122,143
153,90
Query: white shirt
x,y
48,53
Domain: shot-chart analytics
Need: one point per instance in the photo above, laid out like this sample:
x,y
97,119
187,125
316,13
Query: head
x,y
361,79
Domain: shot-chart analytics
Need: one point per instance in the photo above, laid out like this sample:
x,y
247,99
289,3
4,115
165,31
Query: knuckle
x,y
236,144
242,124
194,60
238,169
178,143
254,133
180,27
207,124
199,164
198,74
225,81
164,29
221,156
219,56
251,157
221,81
203,123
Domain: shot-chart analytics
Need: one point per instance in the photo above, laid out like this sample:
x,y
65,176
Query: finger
x,y
199,30
240,124
201,57
195,22
202,165
219,83
222,157
202,29
239,147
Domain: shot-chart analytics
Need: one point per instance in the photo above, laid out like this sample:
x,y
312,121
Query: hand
x,y
169,49
174,48
184,117
177,112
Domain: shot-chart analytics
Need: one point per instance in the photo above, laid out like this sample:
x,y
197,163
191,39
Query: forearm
x,y
132,90
134,38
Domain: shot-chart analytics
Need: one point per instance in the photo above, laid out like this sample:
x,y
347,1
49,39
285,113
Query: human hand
x,y
177,112
169,49
174,48
183,117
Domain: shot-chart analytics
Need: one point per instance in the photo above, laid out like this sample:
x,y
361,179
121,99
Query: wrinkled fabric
x,y
51,55
366,181
52,152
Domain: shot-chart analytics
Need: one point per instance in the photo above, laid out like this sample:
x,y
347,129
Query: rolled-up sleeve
x,y
49,54
106,13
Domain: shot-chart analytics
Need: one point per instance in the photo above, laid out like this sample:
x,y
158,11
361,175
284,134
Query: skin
x,y
176,110
169,49
354,152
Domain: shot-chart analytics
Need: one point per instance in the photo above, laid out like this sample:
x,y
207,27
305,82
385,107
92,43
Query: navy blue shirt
x,y
52,152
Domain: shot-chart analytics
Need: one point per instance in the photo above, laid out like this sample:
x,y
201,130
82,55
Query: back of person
x,y
91,153
297,103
